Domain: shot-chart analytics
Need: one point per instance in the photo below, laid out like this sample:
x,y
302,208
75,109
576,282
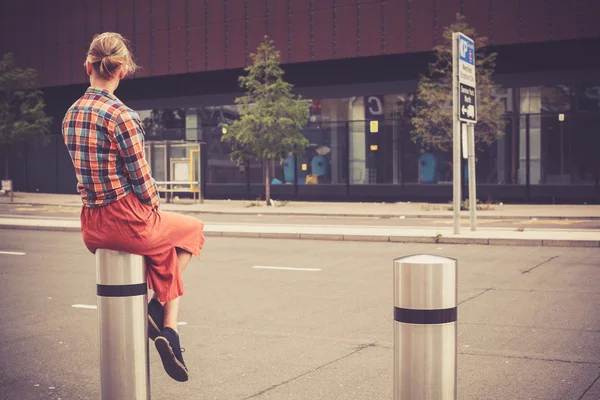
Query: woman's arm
x,y
129,135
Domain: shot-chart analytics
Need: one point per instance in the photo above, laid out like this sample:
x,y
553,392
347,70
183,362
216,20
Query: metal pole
x,y
456,136
348,153
425,328
472,177
200,188
122,325
395,150
562,150
527,157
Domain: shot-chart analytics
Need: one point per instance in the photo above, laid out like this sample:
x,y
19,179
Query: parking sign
x,y
467,94
466,60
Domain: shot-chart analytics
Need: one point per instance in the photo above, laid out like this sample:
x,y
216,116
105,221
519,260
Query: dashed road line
x,y
286,268
12,253
85,306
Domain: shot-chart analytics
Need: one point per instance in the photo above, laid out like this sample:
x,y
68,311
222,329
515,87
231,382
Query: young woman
x,y
120,200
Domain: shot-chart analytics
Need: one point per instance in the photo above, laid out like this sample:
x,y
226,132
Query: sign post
x,y
455,138
472,188
465,111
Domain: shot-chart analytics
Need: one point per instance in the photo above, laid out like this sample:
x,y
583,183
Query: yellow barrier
x,y
193,171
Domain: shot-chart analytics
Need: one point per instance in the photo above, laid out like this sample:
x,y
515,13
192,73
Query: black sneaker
x,y
156,312
167,344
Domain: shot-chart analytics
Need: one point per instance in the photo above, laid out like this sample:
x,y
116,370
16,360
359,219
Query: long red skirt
x,y
133,227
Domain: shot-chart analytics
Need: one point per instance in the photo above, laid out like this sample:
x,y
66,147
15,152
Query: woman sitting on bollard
x,y
120,209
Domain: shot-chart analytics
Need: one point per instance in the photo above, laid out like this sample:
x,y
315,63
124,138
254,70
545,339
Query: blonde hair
x,y
109,51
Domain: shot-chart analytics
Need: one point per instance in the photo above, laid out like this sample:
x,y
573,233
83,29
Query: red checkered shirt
x,y
105,139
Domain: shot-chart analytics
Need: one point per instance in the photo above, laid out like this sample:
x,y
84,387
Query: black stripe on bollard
x,y
122,290
425,317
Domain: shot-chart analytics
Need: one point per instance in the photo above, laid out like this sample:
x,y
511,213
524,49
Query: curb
x,y
365,238
351,215
393,216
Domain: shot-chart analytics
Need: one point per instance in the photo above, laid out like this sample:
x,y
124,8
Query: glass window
x,y
164,123
583,157
556,98
324,160
545,99
588,98
505,95
493,161
335,109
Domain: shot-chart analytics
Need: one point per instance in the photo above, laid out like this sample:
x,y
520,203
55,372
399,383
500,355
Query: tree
x,y
432,126
22,116
271,117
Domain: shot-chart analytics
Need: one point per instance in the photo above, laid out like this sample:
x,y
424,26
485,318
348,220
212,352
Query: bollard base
x,y
424,361
122,326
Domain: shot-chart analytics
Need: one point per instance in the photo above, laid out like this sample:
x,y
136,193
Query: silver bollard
x,y
425,331
122,325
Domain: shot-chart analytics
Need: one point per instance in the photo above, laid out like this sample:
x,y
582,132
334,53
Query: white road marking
x,y
181,323
12,253
37,217
86,306
286,268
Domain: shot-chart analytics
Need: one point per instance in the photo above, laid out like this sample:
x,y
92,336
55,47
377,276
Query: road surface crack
x,y
467,353
357,350
588,388
477,295
539,265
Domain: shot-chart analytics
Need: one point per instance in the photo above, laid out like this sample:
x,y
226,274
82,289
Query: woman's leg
x,y
172,307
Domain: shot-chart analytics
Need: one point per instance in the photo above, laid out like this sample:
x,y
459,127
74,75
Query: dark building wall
x,y
183,36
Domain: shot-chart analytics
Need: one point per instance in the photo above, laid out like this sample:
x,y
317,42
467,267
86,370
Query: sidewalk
x,y
381,210
489,236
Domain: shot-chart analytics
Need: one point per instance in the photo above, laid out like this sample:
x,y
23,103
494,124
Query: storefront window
x,y
324,160
164,123
588,98
505,96
366,140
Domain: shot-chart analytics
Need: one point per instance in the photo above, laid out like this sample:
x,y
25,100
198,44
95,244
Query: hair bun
x,y
109,51
109,65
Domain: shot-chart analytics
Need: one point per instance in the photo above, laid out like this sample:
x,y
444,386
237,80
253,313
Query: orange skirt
x,y
133,227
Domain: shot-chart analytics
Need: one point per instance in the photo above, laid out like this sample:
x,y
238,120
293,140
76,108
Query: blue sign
x,y
466,49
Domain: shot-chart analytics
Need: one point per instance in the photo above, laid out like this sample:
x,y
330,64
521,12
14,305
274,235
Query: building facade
x,y
357,61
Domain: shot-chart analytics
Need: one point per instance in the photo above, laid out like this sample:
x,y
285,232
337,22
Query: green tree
x,y
432,126
271,117
22,116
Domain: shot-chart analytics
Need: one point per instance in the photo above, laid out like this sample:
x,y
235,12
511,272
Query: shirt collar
x,y
100,92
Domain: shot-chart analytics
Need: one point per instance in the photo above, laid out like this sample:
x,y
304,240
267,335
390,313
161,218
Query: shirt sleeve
x,y
129,135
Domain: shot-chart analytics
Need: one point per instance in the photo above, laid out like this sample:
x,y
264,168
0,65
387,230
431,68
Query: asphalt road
x,y
517,223
529,321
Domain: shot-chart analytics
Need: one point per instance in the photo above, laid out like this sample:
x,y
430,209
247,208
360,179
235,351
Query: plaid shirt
x,y
105,139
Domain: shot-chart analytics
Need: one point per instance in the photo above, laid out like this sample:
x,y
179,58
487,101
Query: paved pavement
x,y
582,231
516,223
490,236
389,210
529,321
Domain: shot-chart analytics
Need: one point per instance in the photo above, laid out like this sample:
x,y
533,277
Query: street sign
x,y
467,104
466,60
464,108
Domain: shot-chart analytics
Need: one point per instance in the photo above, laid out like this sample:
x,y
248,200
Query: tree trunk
x,y
6,170
267,183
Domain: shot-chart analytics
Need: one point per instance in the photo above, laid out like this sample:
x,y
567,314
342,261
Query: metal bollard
x,y
122,325
425,331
